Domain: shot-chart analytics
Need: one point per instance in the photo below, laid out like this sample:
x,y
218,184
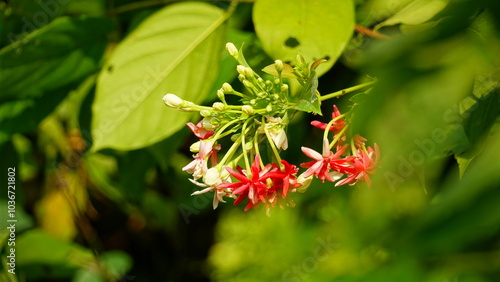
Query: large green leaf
x,y
176,50
315,28
39,70
416,12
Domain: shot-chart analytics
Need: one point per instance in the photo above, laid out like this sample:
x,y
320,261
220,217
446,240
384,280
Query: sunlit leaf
x,y
176,50
316,29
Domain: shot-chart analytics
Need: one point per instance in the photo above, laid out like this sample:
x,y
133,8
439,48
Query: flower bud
x,y
240,69
248,72
247,109
306,182
195,147
220,94
218,106
269,108
235,137
227,88
278,65
248,146
247,84
173,101
284,88
205,113
232,50
208,123
241,77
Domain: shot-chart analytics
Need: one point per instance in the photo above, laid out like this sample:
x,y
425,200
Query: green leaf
x,y
40,70
416,12
480,117
38,247
115,263
176,50
308,96
316,29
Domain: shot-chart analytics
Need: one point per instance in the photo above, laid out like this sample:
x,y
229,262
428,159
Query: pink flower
x,y
199,130
364,164
198,167
249,183
320,167
336,126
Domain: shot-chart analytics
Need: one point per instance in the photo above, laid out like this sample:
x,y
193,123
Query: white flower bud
x,y
269,108
173,101
218,106
247,109
232,50
227,88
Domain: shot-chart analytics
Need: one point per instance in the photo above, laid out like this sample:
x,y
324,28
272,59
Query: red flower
x,y
199,130
286,179
336,126
364,164
321,167
250,183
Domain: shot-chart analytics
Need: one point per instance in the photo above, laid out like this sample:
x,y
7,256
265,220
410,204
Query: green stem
x,y
256,147
223,128
339,135
327,129
230,152
345,91
243,144
273,146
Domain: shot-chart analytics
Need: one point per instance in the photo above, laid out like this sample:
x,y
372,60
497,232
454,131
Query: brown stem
x,y
370,32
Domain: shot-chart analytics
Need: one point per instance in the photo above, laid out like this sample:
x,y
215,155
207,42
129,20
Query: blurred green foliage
x,y
100,195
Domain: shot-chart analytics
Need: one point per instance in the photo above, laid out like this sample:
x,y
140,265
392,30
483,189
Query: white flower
x,y
212,181
275,127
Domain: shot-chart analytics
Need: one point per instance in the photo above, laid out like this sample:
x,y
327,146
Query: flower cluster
x,y
332,166
259,123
